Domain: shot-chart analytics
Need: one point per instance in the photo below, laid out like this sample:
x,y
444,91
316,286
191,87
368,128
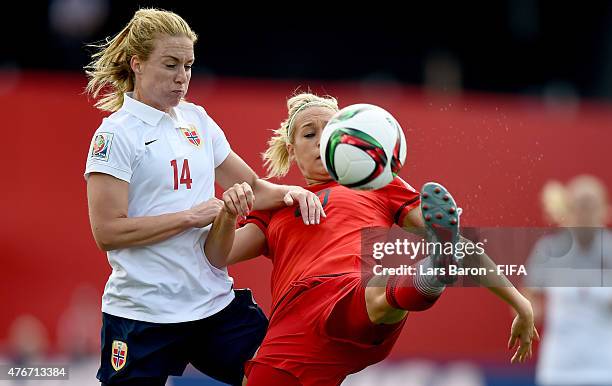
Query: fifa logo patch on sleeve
x,y
118,354
100,148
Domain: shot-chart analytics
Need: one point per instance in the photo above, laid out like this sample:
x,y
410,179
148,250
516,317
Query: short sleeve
x,y
110,152
261,218
402,198
221,148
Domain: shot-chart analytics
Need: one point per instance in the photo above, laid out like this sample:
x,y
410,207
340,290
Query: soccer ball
x,y
363,147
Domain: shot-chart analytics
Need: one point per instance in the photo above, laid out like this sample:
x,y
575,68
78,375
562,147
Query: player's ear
x,y
291,151
136,64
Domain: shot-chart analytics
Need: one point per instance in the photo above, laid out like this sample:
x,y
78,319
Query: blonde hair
x,y
110,70
554,201
276,157
587,182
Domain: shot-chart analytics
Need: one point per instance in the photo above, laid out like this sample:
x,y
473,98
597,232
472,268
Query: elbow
x,y
108,235
218,264
105,246
216,259
104,242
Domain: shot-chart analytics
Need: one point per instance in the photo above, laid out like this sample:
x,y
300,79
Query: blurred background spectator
x,y
28,341
577,344
79,325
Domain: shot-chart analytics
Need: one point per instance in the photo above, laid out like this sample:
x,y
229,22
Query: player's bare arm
x,y
225,245
113,229
523,330
265,195
535,295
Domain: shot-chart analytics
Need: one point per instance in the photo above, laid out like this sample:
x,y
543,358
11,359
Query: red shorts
x,y
320,332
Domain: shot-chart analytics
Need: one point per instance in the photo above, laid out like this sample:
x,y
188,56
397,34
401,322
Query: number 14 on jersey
x,y
185,174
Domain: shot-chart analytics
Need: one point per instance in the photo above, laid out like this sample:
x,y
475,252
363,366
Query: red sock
x,y
264,375
409,293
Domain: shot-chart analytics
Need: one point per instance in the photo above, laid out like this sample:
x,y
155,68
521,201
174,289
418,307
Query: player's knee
x,y
379,310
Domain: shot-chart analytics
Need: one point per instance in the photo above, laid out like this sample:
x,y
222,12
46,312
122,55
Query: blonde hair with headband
x,y
276,157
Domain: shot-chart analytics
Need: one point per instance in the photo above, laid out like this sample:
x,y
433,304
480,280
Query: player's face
x,y
587,207
308,126
163,79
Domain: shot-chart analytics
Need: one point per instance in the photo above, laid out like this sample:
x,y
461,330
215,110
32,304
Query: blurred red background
x,y
493,152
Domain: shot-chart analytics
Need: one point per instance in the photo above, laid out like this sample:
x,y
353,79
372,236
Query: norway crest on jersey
x,y
119,352
191,134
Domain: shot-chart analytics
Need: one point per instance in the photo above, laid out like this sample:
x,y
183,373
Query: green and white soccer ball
x,y
363,147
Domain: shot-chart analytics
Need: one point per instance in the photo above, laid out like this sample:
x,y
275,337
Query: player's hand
x,y
522,333
205,212
239,199
310,205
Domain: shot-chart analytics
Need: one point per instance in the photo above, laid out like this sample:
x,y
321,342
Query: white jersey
x,y
577,341
169,161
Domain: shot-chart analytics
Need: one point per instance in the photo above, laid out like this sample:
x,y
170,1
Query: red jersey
x,y
300,251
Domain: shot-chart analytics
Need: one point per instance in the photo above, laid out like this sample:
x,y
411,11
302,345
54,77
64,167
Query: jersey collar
x,y
145,113
317,187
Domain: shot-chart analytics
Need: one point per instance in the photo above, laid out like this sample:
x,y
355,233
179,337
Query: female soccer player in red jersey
x,y
329,317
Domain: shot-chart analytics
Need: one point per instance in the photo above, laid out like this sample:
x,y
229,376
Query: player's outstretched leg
x,y
441,218
419,292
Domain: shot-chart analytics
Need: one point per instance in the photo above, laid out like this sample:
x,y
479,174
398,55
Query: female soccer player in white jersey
x,y
150,172
330,316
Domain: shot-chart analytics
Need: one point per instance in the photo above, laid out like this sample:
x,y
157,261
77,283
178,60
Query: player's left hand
x,y
523,332
239,199
310,205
